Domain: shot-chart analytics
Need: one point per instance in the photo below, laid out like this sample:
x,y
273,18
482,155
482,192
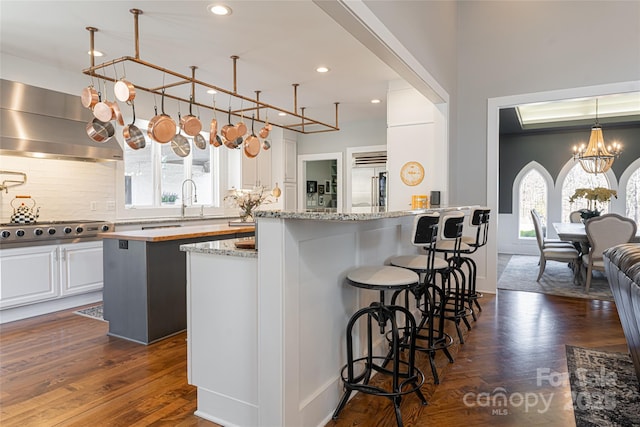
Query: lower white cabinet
x,y
40,273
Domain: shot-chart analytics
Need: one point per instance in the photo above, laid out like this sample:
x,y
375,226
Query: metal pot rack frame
x,y
99,71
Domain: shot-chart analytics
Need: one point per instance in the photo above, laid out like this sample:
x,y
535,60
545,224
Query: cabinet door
x,y
28,275
257,171
81,267
290,160
290,195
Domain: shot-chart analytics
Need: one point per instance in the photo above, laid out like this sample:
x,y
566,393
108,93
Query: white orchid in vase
x,y
247,200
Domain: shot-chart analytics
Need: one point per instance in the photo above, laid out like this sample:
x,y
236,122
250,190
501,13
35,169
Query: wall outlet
x,y
111,205
93,206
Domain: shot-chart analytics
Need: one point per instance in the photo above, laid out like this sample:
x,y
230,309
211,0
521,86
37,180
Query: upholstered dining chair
x,y
567,254
575,216
554,243
603,233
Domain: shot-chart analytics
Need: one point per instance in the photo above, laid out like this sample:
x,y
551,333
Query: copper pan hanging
x,y
162,128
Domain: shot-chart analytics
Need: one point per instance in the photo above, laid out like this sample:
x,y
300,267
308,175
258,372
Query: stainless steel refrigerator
x,y
369,187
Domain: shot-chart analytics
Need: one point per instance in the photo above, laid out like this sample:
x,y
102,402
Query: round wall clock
x,y
412,173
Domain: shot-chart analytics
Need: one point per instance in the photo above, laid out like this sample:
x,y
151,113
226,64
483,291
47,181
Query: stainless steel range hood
x,y
39,122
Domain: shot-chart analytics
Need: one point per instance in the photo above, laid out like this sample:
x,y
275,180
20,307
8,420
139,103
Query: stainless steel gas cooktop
x,y
48,232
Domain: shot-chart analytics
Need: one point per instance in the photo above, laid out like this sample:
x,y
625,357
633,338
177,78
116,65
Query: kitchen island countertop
x,y
356,214
162,234
221,247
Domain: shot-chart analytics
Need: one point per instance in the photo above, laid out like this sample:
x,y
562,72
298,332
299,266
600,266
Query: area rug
x,y
94,312
522,270
604,388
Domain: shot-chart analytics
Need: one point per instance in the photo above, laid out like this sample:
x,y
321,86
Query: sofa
x,y
622,267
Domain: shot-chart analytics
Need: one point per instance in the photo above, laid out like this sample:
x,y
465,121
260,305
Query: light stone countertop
x,y
362,214
221,247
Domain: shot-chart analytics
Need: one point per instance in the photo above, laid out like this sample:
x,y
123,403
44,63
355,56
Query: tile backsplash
x,y
63,189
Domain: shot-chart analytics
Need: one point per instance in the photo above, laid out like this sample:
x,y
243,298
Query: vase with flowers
x,y
593,196
247,201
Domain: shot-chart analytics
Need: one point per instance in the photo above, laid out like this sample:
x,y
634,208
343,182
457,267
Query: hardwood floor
x,y
63,370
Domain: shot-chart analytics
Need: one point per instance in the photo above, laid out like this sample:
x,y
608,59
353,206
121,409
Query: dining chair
x,y
575,216
603,233
555,243
567,254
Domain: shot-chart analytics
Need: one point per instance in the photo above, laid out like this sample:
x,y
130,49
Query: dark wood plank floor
x,y
63,370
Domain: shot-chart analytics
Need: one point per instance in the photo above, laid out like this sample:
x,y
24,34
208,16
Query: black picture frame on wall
x,y
327,187
312,186
320,189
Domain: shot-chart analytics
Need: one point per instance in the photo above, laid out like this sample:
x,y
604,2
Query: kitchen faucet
x,y
195,194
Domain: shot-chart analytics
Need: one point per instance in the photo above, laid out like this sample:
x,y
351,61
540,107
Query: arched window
x,y
532,195
578,178
633,196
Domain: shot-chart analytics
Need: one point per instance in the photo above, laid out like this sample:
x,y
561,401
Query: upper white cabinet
x,y
257,171
290,160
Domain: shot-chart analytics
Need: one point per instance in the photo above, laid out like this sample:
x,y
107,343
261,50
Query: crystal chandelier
x,y
596,157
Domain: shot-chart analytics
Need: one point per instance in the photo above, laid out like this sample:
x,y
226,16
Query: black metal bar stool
x,y
453,306
405,376
478,219
430,336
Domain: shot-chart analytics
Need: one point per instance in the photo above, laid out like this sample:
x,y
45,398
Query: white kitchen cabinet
x,y
42,273
257,171
290,194
290,160
28,275
80,267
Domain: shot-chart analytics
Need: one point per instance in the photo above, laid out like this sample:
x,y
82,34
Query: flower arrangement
x,y
593,196
247,200
169,197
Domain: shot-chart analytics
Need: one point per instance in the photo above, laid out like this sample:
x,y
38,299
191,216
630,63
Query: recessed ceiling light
x,y
211,92
322,69
282,114
375,101
219,9
95,53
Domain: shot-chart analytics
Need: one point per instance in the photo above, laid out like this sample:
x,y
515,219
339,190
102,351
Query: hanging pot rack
x,y
306,125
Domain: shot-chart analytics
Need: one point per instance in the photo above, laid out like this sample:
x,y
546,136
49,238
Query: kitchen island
x,y
266,329
144,293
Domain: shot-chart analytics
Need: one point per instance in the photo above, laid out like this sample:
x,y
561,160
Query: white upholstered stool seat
x,y
418,263
382,276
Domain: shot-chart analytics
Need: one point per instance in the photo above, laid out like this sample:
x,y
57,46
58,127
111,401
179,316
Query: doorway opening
x,y
320,178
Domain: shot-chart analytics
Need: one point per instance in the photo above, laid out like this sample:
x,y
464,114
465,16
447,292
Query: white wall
x,y
508,48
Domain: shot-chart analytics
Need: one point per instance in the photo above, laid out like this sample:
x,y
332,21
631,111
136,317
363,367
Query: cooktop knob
x,y
38,231
105,227
79,229
5,234
67,230
51,231
20,233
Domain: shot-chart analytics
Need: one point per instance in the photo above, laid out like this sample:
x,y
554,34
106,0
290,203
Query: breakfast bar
x,y
266,328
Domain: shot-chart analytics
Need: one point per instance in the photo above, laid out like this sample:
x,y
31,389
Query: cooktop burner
x,y
46,232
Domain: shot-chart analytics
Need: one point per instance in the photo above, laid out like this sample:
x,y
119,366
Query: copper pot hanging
x,y
124,91
133,136
190,123
162,128
89,97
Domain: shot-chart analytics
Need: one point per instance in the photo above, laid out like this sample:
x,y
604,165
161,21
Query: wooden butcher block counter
x,y
145,278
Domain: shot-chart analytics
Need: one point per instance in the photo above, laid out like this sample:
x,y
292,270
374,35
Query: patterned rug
x,y
94,312
604,388
522,270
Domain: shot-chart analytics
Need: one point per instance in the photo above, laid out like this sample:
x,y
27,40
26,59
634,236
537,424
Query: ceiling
x,y
279,43
571,114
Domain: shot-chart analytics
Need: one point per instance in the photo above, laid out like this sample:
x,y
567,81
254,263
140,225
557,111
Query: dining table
x,y
575,232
